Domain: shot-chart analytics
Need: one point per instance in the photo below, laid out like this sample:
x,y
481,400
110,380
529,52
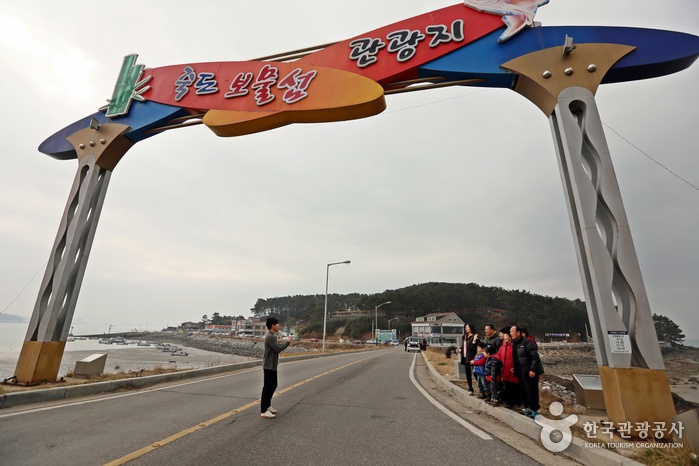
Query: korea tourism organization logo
x,y
556,434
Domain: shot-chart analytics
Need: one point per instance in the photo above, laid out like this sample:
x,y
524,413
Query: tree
x,y
667,330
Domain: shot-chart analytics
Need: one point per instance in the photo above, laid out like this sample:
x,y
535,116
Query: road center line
x,y
155,445
109,397
461,421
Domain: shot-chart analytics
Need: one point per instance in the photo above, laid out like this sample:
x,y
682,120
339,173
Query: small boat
x,y
105,341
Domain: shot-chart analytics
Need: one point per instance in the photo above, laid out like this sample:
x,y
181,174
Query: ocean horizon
x,y
120,357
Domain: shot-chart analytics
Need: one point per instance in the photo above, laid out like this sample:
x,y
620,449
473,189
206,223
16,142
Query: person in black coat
x,y
528,368
469,348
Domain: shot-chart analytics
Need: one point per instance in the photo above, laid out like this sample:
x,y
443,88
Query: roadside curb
x,y
527,426
10,400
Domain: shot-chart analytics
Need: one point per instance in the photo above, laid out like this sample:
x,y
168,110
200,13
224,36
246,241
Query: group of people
x,y
505,365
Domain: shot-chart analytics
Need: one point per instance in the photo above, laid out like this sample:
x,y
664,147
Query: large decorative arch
x,y
475,43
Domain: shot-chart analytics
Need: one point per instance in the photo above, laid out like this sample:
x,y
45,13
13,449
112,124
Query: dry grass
x,y
667,457
443,365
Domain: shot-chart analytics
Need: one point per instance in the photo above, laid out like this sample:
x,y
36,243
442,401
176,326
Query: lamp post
x,y
376,321
325,313
389,322
297,326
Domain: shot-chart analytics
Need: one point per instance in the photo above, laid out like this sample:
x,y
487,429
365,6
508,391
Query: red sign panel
x,y
394,52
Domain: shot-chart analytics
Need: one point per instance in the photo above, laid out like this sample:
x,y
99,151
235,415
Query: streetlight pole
x,y
325,313
376,321
297,327
389,322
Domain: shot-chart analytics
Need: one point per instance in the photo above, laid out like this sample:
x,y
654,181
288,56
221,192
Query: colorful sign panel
x,y
247,97
347,80
394,52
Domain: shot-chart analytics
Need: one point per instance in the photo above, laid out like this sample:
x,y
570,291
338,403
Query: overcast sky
x,y
456,185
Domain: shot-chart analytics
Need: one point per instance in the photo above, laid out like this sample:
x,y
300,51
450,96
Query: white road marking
x,y
475,430
107,397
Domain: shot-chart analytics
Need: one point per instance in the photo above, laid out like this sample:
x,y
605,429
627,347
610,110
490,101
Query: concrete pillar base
x,y
39,361
637,395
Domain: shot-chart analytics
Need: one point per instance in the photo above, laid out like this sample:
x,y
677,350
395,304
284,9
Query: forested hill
x,y
472,302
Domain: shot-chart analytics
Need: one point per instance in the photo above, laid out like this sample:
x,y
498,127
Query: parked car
x,y
413,344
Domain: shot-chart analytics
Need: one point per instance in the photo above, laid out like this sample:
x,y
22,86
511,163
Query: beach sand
x,y
126,358
134,358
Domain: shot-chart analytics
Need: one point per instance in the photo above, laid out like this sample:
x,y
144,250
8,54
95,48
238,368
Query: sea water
x,y
124,357
12,335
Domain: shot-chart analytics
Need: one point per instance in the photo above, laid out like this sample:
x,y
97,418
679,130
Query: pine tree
x,y
667,330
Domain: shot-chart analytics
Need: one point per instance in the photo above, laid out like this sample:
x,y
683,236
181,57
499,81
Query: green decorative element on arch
x,y
127,88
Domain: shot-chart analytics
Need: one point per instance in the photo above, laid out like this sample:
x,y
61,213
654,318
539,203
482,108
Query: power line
x,y
651,158
22,290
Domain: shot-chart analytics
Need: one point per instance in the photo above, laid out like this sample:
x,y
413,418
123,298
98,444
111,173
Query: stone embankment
x,y
681,362
249,347
561,362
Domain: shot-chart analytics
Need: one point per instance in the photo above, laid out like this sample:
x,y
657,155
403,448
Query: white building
x,y
439,329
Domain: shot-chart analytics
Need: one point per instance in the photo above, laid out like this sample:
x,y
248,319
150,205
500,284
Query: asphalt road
x,y
362,408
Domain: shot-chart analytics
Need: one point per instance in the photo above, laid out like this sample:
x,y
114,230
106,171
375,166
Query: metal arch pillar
x,y
99,148
611,274
562,83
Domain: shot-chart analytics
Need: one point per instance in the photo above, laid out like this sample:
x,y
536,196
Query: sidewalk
x,y
527,426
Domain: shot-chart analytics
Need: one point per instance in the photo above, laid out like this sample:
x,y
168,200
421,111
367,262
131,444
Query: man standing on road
x,y
270,363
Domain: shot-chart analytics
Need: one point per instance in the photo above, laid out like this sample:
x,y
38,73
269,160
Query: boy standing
x,y
270,363
478,364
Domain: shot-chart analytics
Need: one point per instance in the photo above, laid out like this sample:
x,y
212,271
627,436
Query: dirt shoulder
x,y
560,363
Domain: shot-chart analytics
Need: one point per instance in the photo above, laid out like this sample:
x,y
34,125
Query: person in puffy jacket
x,y
510,389
528,368
491,337
478,364
493,374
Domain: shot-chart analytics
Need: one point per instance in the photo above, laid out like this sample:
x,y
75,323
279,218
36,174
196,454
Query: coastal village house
x,y
251,327
439,329
217,329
